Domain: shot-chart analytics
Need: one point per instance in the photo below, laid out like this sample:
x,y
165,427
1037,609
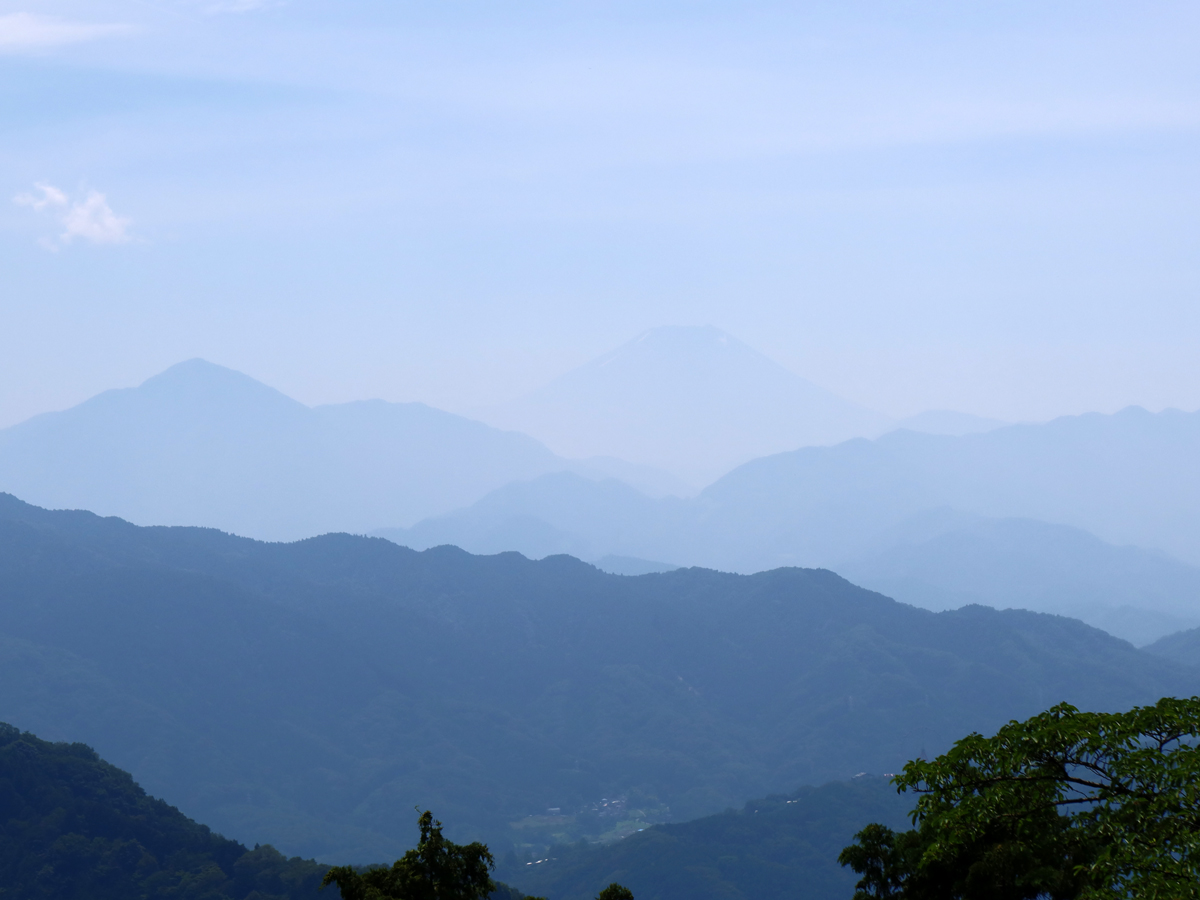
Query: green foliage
x,y
1067,804
882,858
73,827
437,869
615,892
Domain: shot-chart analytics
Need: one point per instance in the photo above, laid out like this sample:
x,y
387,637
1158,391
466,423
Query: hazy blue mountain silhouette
x,y
1124,479
692,400
561,512
944,560
200,444
1182,647
311,693
1129,478
938,559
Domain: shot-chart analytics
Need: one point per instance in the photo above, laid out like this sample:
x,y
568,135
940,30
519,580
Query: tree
x,y
437,869
1064,805
615,892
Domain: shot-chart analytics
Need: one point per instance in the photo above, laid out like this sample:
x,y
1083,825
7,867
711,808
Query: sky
x,y
992,208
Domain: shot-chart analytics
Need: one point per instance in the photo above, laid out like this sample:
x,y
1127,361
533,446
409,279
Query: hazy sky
x,y
986,207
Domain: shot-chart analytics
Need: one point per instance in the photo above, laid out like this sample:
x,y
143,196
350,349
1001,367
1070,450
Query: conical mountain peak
x,y
198,378
690,399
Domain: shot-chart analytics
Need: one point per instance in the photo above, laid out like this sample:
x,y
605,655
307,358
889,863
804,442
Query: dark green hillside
x,y
310,694
73,827
775,848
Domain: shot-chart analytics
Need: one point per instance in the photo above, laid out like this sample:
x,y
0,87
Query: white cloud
x,y
29,31
93,220
90,219
50,196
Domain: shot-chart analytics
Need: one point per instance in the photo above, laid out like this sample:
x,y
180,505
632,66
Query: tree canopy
x,y
437,869
1066,804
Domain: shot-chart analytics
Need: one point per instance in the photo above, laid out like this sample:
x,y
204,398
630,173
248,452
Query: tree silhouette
x,y
437,869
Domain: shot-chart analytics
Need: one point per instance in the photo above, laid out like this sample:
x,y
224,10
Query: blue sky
x,y
917,205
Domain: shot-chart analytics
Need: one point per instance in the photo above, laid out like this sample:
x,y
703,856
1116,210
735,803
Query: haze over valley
x,y
1090,516
599,451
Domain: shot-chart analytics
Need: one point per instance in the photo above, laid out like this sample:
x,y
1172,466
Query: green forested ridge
x,y
73,827
310,694
774,848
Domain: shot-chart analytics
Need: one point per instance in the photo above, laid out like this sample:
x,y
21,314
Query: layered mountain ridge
x,y
200,444
1116,495
310,694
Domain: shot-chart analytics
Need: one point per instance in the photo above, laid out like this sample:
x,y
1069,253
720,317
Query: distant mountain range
x,y
200,444
311,693
203,445
939,559
906,513
1128,478
944,560
691,400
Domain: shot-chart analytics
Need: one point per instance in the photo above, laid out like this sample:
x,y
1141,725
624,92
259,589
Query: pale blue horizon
x,y
916,208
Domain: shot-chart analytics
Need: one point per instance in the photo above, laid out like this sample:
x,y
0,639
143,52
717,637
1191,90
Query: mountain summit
x,y
692,400
200,444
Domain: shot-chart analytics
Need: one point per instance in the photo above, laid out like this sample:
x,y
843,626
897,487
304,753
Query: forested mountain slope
x,y
73,827
310,694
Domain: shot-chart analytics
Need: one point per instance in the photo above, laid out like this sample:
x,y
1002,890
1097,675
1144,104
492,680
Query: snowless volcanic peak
x,y
692,400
